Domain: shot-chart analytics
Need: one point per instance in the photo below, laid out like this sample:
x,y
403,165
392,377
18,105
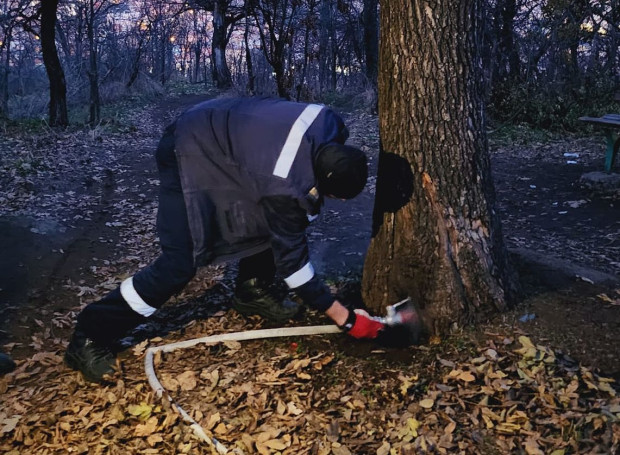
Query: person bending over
x,y
240,178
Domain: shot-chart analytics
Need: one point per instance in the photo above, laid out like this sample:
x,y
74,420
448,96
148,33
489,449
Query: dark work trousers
x,y
110,318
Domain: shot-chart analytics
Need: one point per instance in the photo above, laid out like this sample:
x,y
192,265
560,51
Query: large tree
x,y
58,88
436,235
226,13
371,40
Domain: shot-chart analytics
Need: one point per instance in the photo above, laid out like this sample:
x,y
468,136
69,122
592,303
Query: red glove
x,y
361,325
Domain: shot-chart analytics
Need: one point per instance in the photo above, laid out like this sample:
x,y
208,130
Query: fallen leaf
x,y
427,403
384,449
141,410
147,428
434,340
187,380
532,447
10,424
466,376
154,439
275,444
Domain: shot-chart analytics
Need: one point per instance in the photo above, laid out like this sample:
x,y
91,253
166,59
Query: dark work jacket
x,y
246,167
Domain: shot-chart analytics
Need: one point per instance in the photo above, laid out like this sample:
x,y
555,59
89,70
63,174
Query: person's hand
x,y
361,325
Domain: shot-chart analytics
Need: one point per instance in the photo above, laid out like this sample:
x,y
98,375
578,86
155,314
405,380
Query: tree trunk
x,y
304,69
135,64
58,90
436,235
197,54
371,40
93,70
324,51
248,54
280,74
221,73
4,84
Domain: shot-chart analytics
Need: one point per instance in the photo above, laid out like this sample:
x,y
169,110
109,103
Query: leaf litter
x,y
497,393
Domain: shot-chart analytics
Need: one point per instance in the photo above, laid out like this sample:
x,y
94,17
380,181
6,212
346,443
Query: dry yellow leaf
x,y
525,342
412,426
187,380
281,407
275,444
267,434
147,428
466,376
340,450
302,363
213,420
220,428
154,439
141,410
10,424
427,403
532,447
384,449
232,346
262,449
293,409
606,387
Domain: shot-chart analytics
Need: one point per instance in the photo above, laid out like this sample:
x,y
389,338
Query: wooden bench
x,y
611,123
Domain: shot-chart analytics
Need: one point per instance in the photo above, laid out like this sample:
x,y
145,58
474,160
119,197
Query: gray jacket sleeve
x,y
287,225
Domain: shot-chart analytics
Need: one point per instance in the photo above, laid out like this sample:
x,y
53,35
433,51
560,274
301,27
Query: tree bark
x,y
325,52
58,115
4,84
436,235
371,40
93,70
135,64
221,73
248,53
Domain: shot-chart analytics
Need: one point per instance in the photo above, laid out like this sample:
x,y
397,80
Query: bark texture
x,y
436,236
221,73
58,115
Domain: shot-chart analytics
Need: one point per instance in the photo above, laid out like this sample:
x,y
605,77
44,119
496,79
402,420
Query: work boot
x,y
252,297
6,364
92,359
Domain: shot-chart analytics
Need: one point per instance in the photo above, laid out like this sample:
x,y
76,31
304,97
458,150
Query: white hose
x,y
235,336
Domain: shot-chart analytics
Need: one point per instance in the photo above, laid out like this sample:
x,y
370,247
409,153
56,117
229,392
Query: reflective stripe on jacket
x,y
246,167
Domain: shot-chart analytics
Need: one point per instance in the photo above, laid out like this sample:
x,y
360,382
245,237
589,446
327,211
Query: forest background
x,y
546,62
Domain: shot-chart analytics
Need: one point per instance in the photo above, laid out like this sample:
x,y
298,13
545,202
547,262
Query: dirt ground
x,y
72,227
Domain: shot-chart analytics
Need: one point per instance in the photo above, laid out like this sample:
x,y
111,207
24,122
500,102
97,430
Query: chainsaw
x,y
403,325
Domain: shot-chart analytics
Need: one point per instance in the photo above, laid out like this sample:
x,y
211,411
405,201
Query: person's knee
x,y
181,273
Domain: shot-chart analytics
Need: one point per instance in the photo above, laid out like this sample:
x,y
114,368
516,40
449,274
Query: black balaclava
x,y
341,171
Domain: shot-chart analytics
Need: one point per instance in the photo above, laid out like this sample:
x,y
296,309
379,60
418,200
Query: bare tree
x,y
226,13
58,115
9,20
275,20
436,236
371,40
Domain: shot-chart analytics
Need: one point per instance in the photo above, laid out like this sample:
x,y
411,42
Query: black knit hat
x,y
341,171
